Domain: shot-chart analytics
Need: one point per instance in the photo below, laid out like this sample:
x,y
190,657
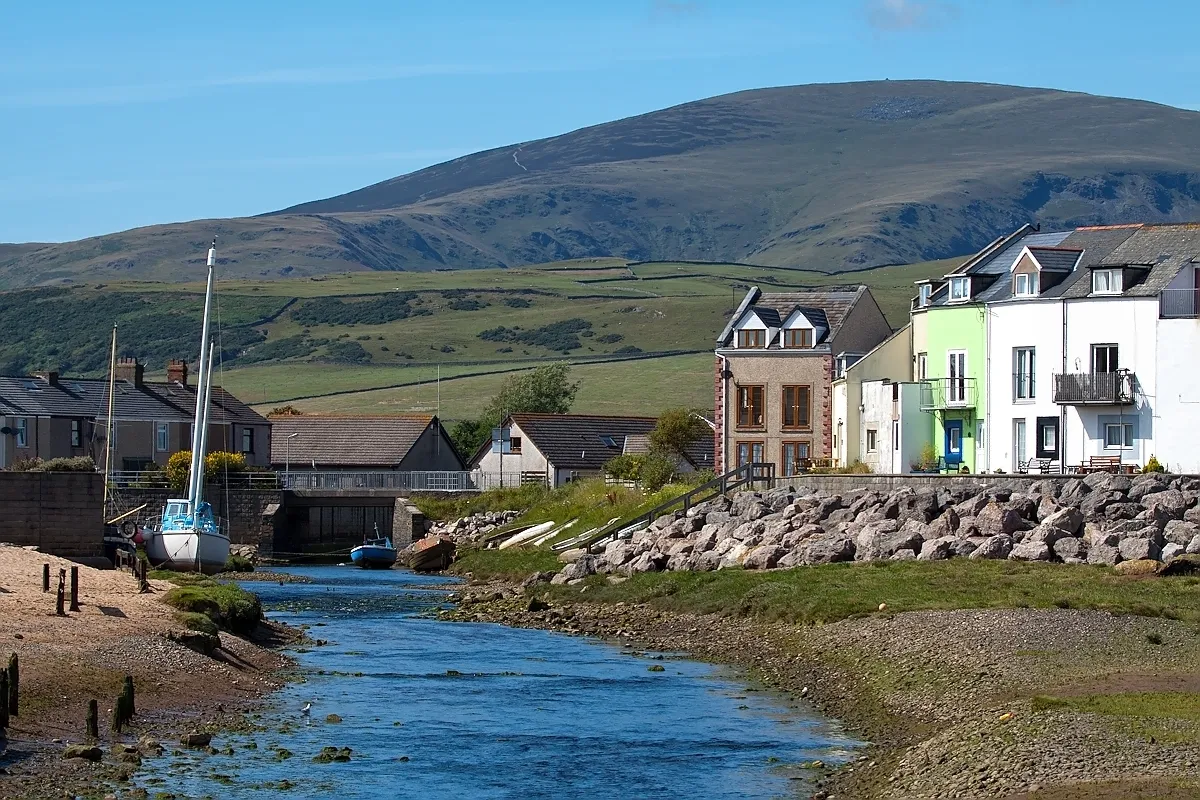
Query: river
x,y
434,709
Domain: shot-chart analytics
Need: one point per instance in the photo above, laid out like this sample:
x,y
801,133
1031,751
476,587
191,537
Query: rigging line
x,y
224,417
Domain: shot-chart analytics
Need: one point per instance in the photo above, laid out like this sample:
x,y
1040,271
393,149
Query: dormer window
x,y
752,337
1107,281
960,290
924,293
798,337
1025,284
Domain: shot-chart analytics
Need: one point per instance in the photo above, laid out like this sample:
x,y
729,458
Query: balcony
x,y
939,394
1094,388
1179,304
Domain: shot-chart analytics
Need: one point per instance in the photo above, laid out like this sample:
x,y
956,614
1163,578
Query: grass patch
x,y
513,564
194,621
823,594
1153,705
228,606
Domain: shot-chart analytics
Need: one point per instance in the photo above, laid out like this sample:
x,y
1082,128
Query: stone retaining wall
x,y
61,513
241,510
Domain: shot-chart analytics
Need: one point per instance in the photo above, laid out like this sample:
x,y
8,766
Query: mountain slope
x,y
824,176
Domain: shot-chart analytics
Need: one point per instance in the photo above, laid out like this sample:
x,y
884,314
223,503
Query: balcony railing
x,y
947,393
1179,304
1099,388
433,481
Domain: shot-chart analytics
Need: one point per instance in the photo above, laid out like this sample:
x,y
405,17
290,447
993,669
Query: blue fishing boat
x,y
376,553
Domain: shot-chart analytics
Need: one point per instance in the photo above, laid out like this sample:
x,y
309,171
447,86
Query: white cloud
x,y
907,15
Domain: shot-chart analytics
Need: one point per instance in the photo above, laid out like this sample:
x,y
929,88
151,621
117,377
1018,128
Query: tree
x,y
285,411
544,390
676,430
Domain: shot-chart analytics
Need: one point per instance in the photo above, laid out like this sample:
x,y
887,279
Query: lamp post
x,y
287,459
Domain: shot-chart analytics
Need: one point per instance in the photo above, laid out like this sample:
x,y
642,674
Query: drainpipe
x,y
987,382
724,412
1062,409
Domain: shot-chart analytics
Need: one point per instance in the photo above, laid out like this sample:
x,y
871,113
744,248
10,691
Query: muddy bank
x,y
952,701
65,661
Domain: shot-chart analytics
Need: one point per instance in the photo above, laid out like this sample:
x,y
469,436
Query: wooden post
x,y
74,588
14,684
117,722
45,577
128,692
4,705
60,600
93,720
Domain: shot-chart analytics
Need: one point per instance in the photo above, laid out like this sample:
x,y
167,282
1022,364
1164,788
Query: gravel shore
x,y
947,698
67,661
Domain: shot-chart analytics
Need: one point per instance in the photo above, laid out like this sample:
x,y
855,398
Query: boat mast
x,y
109,426
204,425
196,476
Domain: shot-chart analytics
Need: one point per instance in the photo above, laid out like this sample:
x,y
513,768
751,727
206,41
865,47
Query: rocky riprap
x,y
474,527
1099,519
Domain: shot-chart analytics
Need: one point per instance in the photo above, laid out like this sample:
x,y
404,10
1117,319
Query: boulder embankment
x,y
1099,519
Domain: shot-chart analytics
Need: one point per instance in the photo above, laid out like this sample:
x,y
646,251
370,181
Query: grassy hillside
x,y
833,176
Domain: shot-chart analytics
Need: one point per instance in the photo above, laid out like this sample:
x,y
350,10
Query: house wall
x,y
878,413
530,459
959,328
862,329
1177,412
1037,324
915,425
1132,325
888,360
773,371
841,416
432,452
919,332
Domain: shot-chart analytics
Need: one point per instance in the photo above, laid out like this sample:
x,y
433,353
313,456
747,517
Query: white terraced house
x,y
1093,349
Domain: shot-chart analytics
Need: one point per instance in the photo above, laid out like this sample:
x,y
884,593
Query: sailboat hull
x,y
188,551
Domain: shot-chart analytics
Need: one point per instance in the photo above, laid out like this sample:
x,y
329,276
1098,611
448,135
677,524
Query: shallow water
x,y
485,711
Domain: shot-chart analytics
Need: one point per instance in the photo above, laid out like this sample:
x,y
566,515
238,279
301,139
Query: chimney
x,y
177,371
129,369
50,377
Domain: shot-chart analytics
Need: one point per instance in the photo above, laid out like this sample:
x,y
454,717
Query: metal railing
x,y
1179,303
1102,388
433,481
942,393
157,479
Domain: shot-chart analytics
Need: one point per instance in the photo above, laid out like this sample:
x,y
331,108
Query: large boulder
x,y
1165,505
921,506
1108,482
938,549
1192,515
1193,547
828,549
735,556
764,557
1096,503
1170,550
1070,548
971,506
1069,520
1136,548
1030,551
1143,485
748,530
945,525
1180,532
1073,492
1119,511
994,519
1103,554
653,561
993,547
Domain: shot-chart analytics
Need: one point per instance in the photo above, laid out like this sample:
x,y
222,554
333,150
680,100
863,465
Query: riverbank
x,y
67,661
1064,700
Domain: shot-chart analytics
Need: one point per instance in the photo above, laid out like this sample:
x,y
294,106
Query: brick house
x,y
49,416
776,361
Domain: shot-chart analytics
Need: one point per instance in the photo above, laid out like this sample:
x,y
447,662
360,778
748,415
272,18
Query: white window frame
x,y
1115,283
1125,431
872,440
250,433
76,433
162,437
956,385
1021,355
22,432
924,295
980,435
960,289
922,366
1030,281
1052,432
1020,442
896,435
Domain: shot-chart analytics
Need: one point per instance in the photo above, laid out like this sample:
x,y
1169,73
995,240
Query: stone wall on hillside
x,y
61,513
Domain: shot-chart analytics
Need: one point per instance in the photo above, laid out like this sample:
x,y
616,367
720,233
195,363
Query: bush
x,y
928,459
624,467
229,607
222,462
76,464
178,467
562,335
194,621
656,472
238,563
1153,466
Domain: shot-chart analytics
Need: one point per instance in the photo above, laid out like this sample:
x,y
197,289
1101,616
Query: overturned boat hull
x,y
431,554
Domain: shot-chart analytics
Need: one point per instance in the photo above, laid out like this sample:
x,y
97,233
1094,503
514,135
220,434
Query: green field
x,y
375,341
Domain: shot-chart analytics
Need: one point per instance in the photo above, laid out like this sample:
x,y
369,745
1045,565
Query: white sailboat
x,y
189,539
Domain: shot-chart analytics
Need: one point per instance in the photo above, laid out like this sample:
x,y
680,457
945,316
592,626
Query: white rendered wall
x,y
841,422
530,458
1177,407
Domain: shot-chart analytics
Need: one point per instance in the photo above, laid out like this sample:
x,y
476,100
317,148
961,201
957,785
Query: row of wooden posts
x,y
10,694
10,691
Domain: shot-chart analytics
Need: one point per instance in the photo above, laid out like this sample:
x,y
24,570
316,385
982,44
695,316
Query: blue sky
x,y
114,115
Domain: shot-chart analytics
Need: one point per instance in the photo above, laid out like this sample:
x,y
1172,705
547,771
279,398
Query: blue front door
x,y
954,441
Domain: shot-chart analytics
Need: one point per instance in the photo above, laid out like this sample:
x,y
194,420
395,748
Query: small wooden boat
x,y
377,553
431,554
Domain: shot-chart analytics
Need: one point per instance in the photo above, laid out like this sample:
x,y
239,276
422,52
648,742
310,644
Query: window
x,y
76,433
1107,281
752,338
872,440
922,366
798,337
795,458
1047,437
1025,284
749,453
980,438
1118,435
960,290
162,439
1024,382
797,407
1104,358
1019,443
896,435
751,411
514,444
247,440
924,293
22,433
956,373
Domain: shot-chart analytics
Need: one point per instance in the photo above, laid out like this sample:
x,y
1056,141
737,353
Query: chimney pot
x,y
49,376
177,371
130,369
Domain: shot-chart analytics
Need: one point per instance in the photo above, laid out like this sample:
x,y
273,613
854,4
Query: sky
x,y
134,112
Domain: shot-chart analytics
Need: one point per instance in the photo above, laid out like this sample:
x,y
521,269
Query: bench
x,y
1101,464
1043,466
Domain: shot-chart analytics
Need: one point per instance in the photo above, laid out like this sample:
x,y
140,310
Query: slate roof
x,y
87,398
825,307
1056,259
340,441
582,442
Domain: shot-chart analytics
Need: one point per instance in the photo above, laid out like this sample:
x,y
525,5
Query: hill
x,y
834,177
